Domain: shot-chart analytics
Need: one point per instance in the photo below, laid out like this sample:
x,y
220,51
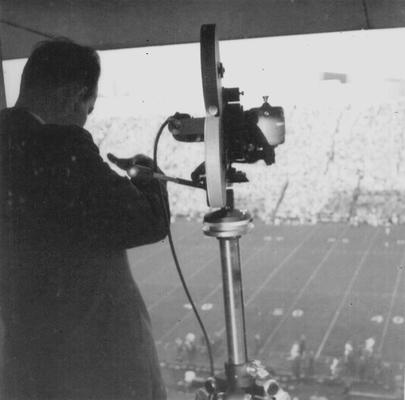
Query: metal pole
x,y
2,234
233,301
3,103
228,225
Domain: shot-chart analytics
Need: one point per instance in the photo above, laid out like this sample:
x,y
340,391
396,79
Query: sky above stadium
x,y
165,79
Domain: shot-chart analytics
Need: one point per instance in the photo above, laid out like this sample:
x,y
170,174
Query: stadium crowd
x,y
339,163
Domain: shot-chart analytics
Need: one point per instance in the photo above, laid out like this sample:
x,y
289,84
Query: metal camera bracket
x,y
212,73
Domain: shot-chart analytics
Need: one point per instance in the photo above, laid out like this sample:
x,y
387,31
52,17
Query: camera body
x,y
248,136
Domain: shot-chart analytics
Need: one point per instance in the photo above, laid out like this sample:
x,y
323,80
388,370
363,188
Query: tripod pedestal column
x,y
233,300
228,225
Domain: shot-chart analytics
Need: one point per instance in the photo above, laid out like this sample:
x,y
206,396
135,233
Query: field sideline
x,y
329,282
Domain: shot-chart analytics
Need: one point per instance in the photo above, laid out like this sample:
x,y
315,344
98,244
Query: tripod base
x,y
259,385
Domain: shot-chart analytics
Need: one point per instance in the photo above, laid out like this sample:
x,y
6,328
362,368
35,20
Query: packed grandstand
x,y
340,163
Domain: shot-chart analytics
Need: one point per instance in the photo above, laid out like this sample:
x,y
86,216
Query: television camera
x,y
231,135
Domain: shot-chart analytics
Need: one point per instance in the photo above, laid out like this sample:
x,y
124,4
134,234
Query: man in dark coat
x,y
76,326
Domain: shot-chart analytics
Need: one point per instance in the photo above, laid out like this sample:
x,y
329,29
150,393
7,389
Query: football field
x,y
330,282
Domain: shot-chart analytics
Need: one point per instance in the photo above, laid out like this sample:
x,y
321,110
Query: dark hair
x,y
57,62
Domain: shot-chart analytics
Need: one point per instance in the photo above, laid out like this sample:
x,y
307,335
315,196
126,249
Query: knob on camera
x,y
270,121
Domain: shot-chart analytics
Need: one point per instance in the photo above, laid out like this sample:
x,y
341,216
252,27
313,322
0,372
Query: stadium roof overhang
x,y
113,24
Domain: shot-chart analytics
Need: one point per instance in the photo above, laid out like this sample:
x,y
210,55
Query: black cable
x,y
156,143
176,261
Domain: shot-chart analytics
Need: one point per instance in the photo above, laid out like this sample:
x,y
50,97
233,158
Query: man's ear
x,y
82,93
79,95
70,95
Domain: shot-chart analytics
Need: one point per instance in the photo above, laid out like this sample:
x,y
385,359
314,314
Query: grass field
x,y
330,282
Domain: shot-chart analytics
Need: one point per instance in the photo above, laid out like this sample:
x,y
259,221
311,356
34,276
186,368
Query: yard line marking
x,y
301,292
253,296
371,395
162,248
392,302
188,314
398,320
368,293
178,285
275,271
158,271
213,291
162,268
378,319
345,296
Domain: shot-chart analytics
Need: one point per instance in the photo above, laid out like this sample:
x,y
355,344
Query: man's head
x,y
60,82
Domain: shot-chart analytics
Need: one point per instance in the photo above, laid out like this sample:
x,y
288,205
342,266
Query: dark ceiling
x,y
109,24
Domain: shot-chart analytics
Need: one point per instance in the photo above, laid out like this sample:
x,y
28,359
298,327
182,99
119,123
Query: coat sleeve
x,y
114,210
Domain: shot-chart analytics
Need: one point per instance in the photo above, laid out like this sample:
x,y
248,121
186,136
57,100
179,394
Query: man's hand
x,y
127,163
139,168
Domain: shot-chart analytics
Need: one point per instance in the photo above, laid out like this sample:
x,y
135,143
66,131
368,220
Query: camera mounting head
x,y
230,133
